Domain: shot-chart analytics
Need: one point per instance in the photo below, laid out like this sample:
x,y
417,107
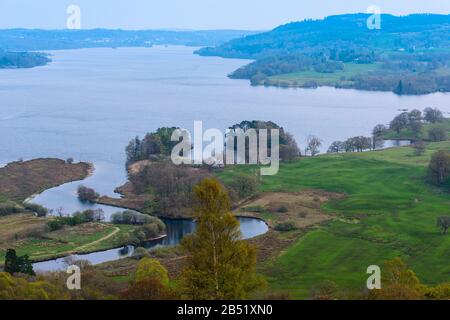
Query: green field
x,y
338,78
396,209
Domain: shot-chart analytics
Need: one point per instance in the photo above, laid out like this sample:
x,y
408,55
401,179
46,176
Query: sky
x,y
195,14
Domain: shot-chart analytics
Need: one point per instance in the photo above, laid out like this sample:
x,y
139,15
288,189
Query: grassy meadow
x,y
395,211
338,78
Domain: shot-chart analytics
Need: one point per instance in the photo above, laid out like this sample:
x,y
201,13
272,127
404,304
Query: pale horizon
x,y
195,14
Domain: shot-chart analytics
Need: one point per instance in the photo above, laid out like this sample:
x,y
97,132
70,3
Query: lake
x,y
87,104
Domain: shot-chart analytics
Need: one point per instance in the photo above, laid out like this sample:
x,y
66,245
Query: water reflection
x,y
176,229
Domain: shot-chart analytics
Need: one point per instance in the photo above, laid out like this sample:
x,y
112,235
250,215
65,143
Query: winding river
x,y
87,104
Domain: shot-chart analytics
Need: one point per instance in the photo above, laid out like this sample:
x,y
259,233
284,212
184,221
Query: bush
x,y
39,210
140,253
76,219
437,133
147,232
149,268
439,168
133,218
87,194
286,226
54,225
244,185
9,207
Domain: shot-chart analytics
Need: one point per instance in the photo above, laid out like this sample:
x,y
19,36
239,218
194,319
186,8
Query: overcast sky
x,y
195,14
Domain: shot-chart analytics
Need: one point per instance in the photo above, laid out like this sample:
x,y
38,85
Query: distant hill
x,y
34,39
408,55
418,31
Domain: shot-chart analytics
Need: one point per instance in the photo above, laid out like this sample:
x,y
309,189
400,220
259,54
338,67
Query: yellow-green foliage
x,y
399,282
440,292
12,288
219,264
149,268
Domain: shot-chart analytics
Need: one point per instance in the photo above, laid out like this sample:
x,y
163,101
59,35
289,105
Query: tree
x,y
439,167
219,264
419,147
149,268
336,147
415,121
244,185
379,130
443,223
398,282
399,88
16,264
377,136
400,122
313,145
433,115
437,133
87,194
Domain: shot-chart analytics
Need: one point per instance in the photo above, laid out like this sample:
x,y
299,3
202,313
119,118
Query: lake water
x,y
87,104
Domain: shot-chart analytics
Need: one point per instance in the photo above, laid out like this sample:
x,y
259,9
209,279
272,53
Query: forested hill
x,y
34,39
418,31
408,55
13,60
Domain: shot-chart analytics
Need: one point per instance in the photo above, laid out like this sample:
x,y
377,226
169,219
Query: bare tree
x,y
443,223
313,145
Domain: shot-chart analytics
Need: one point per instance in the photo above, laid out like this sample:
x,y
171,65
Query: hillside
x,y
342,31
408,55
35,39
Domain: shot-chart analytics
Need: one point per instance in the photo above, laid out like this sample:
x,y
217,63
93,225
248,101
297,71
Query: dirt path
x,y
83,247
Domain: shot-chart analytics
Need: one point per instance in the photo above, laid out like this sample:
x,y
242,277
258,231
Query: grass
x,y
400,209
338,78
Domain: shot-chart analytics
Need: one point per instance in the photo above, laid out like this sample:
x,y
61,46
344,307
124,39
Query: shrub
x,y
54,225
36,208
133,218
244,185
140,253
443,223
9,207
149,268
437,133
257,209
286,226
87,194
439,167
76,219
